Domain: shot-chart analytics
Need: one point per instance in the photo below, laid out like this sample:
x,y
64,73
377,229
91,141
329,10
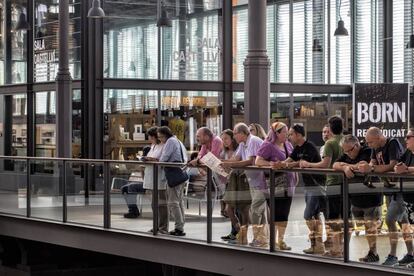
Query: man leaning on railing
x,y
365,208
386,152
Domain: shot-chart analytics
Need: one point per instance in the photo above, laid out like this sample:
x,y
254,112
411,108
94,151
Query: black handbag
x,y
176,175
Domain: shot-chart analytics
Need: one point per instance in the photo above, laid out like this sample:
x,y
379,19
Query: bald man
x,y
386,152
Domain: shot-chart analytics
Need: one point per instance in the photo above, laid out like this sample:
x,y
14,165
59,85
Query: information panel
x,y
384,105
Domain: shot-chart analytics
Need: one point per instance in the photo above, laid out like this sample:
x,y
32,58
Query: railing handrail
x,y
272,172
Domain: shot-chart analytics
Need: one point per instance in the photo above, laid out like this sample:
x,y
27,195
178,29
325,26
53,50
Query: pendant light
x,y
341,30
164,20
410,44
96,11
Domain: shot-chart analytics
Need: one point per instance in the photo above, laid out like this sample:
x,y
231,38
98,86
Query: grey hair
x,y
349,139
374,131
242,128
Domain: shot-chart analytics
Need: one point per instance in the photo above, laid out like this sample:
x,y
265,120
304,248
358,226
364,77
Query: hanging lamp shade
x,y
164,20
22,24
341,30
410,44
316,47
96,11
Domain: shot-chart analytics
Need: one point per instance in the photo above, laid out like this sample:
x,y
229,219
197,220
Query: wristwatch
x,y
373,168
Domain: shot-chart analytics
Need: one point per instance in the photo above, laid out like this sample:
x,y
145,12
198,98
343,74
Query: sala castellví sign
x,y
384,105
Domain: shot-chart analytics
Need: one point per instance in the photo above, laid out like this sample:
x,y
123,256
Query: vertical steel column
x,y
7,40
272,211
209,206
329,41
28,188
291,41
352,9
388,41
64,87
31,115
155,200
8,108
107,196
64,188
257,67
227,50
345,196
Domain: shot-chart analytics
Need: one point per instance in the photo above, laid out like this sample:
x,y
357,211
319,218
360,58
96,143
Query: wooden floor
x,y
91,213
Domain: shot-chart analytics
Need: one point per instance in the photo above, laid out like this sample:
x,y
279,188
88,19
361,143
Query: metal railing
x,y
61,166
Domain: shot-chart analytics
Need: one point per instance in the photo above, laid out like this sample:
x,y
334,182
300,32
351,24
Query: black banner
x,y
383,105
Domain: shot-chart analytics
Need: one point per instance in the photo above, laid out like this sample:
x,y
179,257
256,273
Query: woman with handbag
x,y
277,148
174,151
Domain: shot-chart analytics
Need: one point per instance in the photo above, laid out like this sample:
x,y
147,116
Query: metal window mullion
x,y
290,41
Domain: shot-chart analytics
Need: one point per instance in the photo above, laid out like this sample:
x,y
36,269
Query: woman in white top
x,y
154,155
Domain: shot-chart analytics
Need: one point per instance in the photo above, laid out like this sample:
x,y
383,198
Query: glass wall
x,y
130,113
189,49
17,43
46,46
13,125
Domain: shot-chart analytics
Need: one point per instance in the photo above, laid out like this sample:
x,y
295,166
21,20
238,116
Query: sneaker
x,y
390,261
229,237
370,258
177,232
131,215
410,265
407,259
283,246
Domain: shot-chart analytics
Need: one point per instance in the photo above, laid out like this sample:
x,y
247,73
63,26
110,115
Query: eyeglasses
x,y
351,149
408,137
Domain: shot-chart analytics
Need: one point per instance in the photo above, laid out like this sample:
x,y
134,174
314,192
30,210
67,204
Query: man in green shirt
x,y
333,212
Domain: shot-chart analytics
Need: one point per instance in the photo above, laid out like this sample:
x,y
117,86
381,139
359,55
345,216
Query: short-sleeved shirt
x,y
270,152
362,200
155,152
333,150
308,152
247,150
392,150
408,159
215,147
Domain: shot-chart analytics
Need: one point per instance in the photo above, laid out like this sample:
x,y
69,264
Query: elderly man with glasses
x,y
365,207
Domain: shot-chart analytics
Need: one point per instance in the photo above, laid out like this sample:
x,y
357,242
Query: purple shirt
x,y
270,152
247,150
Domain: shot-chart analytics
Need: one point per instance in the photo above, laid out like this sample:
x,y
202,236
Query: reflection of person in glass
x,y
365,208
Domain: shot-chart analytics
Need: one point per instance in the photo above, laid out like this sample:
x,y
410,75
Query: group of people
x,y
246,190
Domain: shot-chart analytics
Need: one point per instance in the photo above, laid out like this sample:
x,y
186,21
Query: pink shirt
x,y
215,147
